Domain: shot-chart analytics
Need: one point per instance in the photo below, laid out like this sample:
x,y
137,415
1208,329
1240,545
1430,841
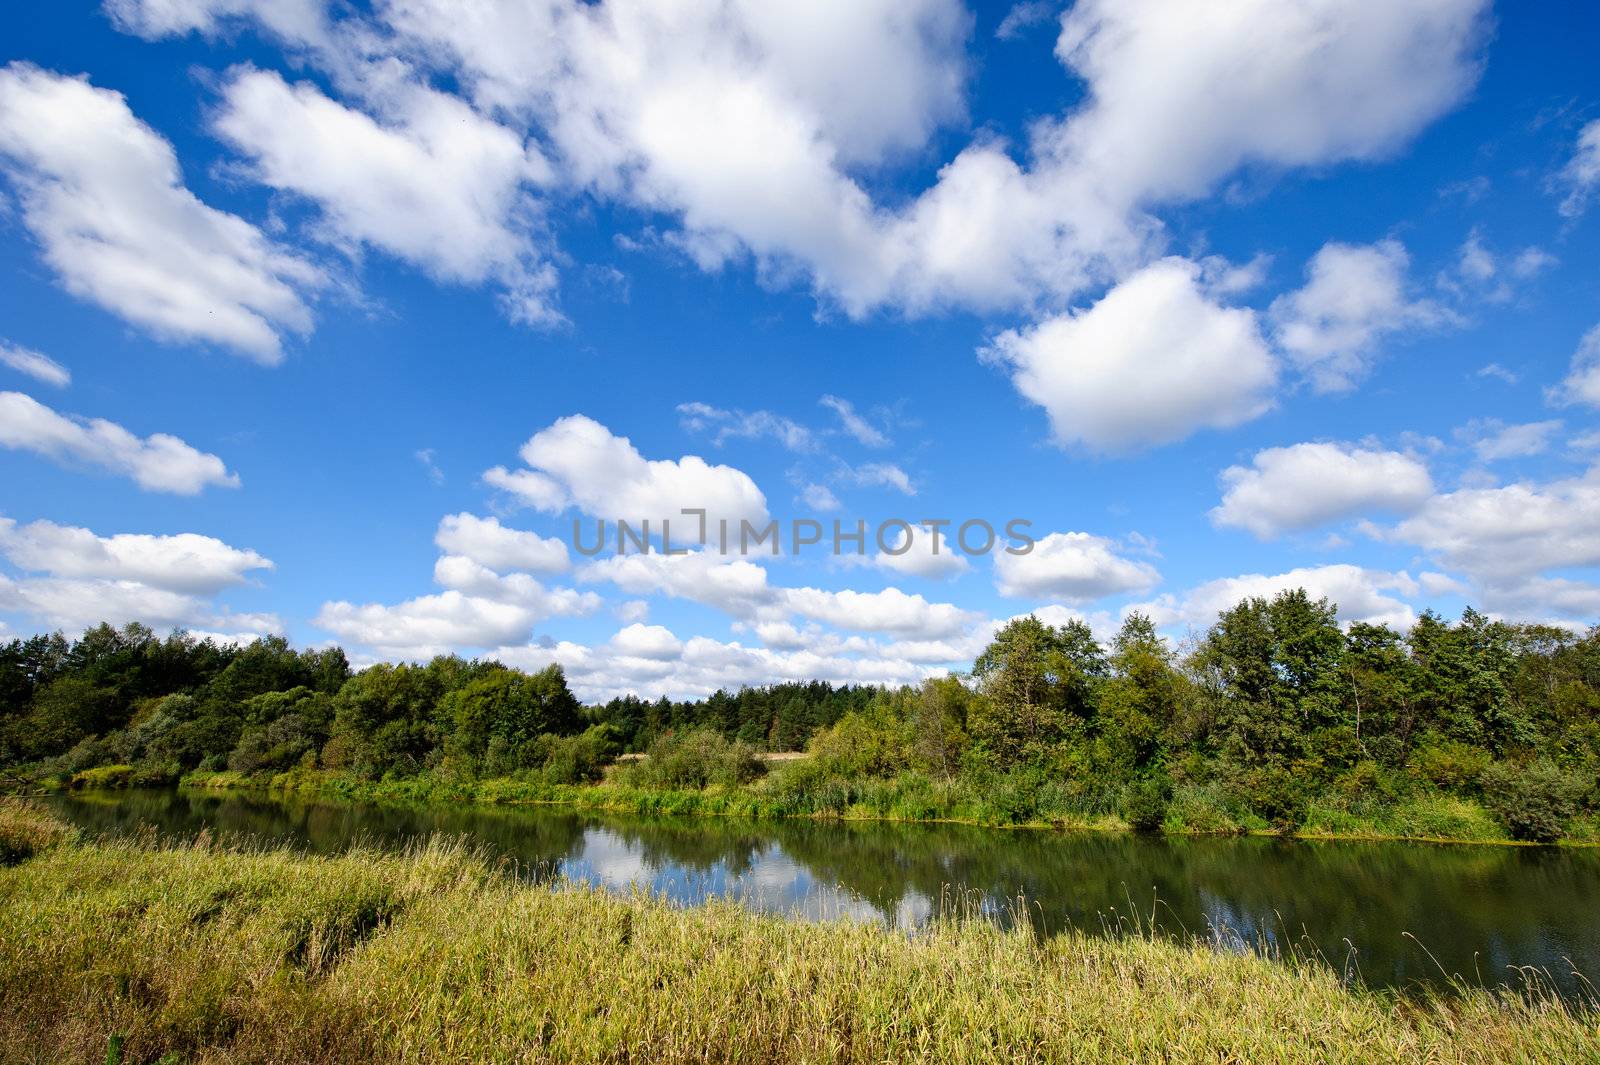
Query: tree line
x,y
1274,713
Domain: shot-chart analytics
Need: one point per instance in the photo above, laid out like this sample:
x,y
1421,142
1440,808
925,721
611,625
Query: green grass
x,y
219,954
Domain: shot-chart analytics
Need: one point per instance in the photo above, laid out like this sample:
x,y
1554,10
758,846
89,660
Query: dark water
x,y
1396,914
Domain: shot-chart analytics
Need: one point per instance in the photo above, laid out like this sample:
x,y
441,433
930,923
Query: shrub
x,y
106,776
694,760
1534,802
581,759
1277,794
1449,764
1145,803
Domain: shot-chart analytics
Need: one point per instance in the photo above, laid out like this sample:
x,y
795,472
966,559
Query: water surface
x,y
1396,914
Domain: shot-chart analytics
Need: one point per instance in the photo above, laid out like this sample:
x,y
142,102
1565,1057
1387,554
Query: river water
x,y
1395,914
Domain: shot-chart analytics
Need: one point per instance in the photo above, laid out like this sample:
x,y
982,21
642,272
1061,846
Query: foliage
x,y
699,758
1275,717
1534,802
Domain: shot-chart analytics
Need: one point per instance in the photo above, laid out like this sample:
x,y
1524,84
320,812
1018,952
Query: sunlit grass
x,y
245,954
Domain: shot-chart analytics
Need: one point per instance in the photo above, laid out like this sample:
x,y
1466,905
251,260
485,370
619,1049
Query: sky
x,y
332,320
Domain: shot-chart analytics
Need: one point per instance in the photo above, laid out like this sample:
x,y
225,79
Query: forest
x,y
1276,718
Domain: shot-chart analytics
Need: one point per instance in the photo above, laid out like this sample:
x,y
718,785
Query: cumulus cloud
x,y
1582,384
76,578
1581,175
741,589
1288,489
430,624
41,368
488,543
1154,361
158,463
1354,296
478,609
924,552
1074,567
1361,595
753,124
1499,535
102,194
187,562
577,462
436,184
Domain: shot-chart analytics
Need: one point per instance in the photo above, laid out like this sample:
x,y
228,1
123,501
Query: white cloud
x,y
1582,384
1359,594
1498,535
488,543
187,562
854,424
41,368
819,497
736,586
880,475
1152,362
647,641
754,124
930,554
1287,489
159,580
1493,440
1495,370
158,463
300,21
737,424
1022,17
578,462
632,611
429,624
890,610
437,185
1354,296
102,194
740,589
1581,175
1074,567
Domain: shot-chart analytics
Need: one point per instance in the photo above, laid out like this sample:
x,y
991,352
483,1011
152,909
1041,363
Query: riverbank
x,y
1432,819
240,954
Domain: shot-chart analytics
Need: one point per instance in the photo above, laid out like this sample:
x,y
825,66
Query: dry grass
x,y
233,955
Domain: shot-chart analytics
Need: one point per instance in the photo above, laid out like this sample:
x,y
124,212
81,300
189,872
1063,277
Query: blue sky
x,y
1221,300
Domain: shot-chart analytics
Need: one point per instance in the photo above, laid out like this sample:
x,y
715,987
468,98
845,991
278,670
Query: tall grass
x,y
254,955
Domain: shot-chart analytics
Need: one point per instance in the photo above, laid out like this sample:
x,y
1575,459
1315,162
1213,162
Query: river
x,y
1396,914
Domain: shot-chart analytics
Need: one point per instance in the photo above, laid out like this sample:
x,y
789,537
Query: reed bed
x,y
139,951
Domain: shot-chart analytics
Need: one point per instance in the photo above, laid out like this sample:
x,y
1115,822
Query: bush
x,y
1145,803
1200,809
106,776
1449,764
1277,794
581,759
693,760
1534,802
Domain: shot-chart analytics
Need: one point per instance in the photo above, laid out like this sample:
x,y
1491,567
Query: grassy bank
x,y
229,955
910,797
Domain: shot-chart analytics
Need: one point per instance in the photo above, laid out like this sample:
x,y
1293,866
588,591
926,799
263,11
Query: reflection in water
x,y
1478,910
